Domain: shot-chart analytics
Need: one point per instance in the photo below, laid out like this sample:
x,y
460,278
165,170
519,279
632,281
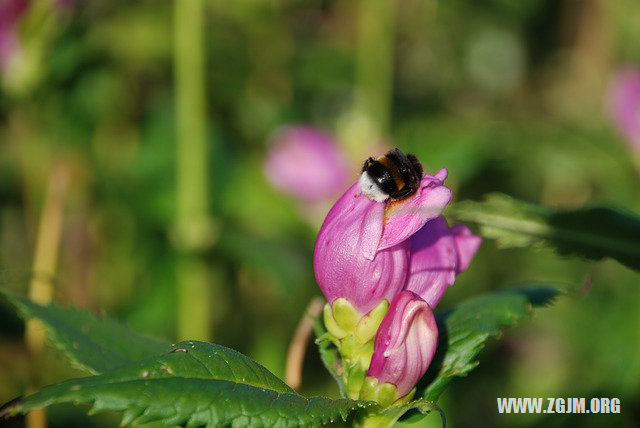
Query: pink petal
x,y
405,217
405,343
442,174
438,255
345,260
434,261
467,245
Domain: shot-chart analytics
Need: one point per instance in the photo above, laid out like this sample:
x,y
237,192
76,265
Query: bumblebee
x,y
393,176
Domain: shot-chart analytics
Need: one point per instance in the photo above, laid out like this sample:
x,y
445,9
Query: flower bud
x,y
351,230
403,349
438,254
363,248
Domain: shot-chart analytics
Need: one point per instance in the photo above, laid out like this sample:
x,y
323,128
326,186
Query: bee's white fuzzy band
x,y
370,189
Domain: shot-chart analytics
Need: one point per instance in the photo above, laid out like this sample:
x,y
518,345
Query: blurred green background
x,y
132,143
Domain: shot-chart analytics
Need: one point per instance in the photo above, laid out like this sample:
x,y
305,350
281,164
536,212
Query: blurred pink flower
x,y
306,163
10,12
624,104
363,249
405,343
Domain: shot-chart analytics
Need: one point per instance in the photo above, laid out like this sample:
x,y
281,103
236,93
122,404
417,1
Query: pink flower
x,y
306,163
624,102
363,250
438,255
369,253
10,12
405,343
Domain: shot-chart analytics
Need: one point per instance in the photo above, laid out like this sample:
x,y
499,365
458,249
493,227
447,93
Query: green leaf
x,y
465,330
195,384
92,344
592,232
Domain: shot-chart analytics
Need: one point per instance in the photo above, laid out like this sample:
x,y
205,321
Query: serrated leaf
x,y
465,330
92,344
197,384
592,232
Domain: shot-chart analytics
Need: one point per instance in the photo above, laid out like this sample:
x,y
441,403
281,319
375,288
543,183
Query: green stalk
x,y
368,121
193,234
45,262
374,67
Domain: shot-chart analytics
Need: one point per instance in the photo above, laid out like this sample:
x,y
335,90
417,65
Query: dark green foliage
x,y
465,329
591,232
92,344
192,383
195,384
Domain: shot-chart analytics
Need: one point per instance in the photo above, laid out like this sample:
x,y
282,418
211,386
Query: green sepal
x,y
387,394
366,352
369,389
407,398
368,326
384,394
353,335
345,315
355,376
330,323
328,337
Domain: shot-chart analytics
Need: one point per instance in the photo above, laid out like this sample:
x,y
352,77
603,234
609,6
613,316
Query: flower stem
x,y
298,346
374,67
194,226
45,262
367,123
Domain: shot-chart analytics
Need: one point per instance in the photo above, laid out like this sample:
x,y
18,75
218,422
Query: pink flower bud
x,y
306,163
405,343
624,101
438,254
343,267
363,248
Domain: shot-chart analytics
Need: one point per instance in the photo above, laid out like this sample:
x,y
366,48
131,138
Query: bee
x,y
395,175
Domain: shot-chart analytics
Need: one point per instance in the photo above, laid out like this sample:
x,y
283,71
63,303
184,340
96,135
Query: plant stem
x,y
46,251
368,121
298,345
193,234
374,67
44,268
